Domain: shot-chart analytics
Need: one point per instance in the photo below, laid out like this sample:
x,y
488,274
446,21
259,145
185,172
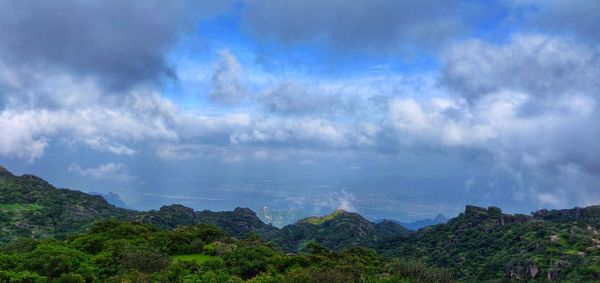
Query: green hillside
x,y
134,252
48,233
484,244
337,231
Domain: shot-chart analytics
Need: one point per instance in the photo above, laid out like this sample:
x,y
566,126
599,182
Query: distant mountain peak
x,y
440,218
112,198
245,211
4,172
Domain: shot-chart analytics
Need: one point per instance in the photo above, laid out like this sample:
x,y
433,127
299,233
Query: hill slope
x,y
485,244
31,207
337,231
481,244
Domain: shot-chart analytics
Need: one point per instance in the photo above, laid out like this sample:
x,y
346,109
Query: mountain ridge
x,y
416,225
64,211
481,243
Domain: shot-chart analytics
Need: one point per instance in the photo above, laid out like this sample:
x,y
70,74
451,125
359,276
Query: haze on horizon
x,y
397,109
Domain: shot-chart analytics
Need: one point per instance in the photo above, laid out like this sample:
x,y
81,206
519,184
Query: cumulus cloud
x,y
356,25
28,132
529,105
308,132
227,80
549,156
115,172
537,65
526,108
23,133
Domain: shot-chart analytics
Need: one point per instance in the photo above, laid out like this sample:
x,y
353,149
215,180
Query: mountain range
x,y
480,244
416,225
32,207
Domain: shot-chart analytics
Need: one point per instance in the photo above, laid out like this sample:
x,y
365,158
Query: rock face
x,y
590,214
495,213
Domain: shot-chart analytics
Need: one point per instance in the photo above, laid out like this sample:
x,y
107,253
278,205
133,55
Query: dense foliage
x,y
484,244
115,251
31,207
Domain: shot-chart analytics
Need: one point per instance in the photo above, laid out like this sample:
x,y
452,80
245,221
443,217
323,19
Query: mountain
x,y
31,207
416,225
34,208
479,245
338,230
238,222
112,198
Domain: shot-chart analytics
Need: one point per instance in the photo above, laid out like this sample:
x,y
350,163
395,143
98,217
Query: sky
x,y
397,109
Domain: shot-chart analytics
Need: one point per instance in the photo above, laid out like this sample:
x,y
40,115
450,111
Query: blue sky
x,y
399,109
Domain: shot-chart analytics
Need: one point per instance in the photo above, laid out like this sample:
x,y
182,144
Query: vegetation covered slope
x,y
31,207
337,231
485,244
133,252
238,222
481,244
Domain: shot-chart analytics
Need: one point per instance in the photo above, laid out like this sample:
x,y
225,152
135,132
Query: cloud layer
x,y
510,120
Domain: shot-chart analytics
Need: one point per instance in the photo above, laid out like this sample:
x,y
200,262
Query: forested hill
x,y
481,244
33,208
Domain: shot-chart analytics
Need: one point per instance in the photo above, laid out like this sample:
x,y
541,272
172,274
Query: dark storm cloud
x,y
120,42
356,25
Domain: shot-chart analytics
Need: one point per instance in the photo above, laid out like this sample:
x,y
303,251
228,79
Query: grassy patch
x,y
18,207
198,258
321,220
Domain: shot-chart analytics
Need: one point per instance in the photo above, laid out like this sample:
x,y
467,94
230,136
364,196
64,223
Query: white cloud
x,y
24,133
303,132
538,65
227,80
115,172
107,127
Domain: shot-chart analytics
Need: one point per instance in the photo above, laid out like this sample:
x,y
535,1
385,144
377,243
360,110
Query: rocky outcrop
x,y
34,178
495,213
522,270
4,173
590,214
